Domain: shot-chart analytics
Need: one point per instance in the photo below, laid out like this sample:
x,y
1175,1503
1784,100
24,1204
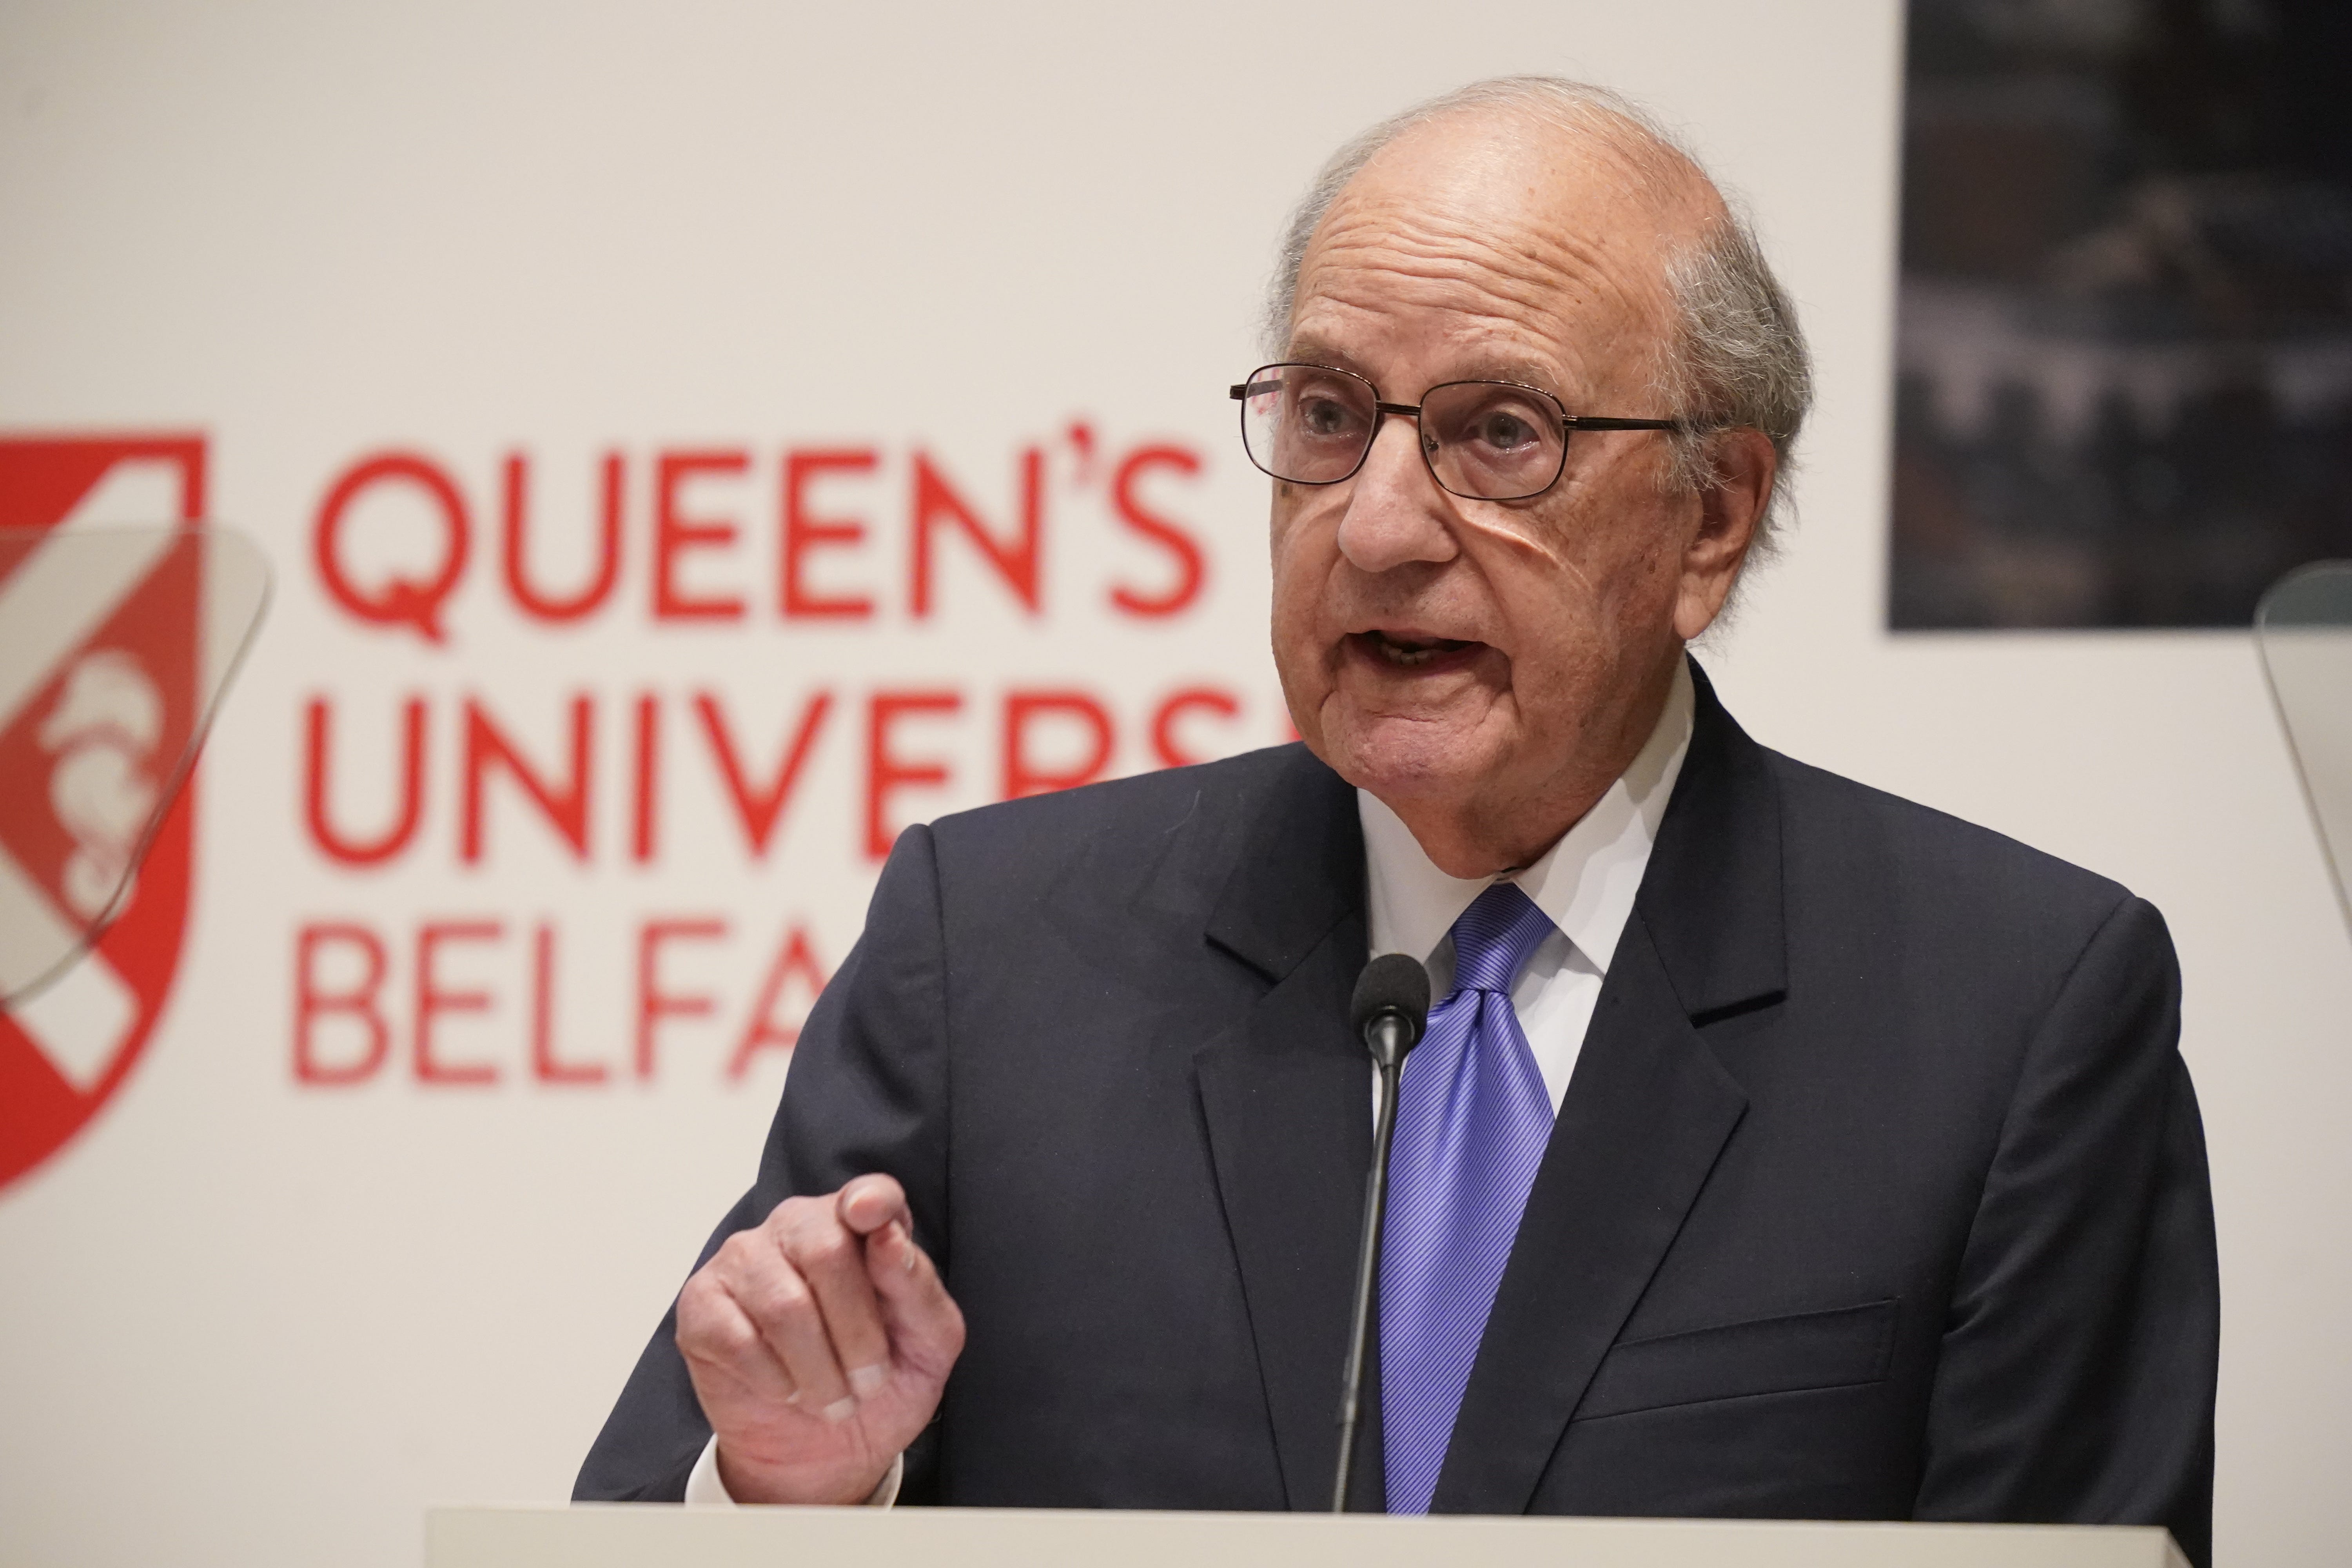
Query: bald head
x,y
1573,164
1537,114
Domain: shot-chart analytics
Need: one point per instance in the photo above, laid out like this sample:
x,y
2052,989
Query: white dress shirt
x,y
1585,882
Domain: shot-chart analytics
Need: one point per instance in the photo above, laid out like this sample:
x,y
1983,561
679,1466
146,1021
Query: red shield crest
x,y
89,730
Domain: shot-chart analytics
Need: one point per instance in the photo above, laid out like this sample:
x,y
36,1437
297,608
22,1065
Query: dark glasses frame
x,y
1242,391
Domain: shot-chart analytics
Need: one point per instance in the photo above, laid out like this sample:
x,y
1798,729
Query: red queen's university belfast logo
x,y
94,722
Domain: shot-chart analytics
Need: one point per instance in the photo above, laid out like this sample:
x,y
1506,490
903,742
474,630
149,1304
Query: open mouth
x,y
1401,652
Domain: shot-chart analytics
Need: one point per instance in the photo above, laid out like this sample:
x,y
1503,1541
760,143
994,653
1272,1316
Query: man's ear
x,y
1730,509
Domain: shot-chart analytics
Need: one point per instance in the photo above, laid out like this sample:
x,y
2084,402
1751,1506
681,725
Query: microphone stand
x,y
1388,1036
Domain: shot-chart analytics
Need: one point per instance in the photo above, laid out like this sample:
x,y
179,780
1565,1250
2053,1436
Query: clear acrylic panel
x,y
116,645
2304,629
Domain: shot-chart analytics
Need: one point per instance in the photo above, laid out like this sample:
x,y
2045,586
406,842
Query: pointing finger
x,y
869,1203
831,1258
925,1325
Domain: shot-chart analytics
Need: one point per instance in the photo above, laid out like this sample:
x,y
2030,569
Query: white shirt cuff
x,y
705,1489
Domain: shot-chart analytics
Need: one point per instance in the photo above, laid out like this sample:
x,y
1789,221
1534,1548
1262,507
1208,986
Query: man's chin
x,y
1407,760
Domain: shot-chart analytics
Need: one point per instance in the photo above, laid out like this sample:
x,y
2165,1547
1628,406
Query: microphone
x,y
1389,1012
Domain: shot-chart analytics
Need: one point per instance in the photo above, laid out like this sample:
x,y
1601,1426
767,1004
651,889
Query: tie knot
x,y
1496,937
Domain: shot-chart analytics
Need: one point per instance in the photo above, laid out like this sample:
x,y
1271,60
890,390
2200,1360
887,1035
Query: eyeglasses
x,y
1488,440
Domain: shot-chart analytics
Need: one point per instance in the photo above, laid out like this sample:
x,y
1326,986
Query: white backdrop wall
x,y
281,1292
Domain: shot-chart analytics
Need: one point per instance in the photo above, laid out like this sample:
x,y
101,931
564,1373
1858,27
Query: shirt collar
x,y
1585,882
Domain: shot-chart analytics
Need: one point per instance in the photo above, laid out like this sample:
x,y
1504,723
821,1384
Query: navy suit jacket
x,y
1878,1192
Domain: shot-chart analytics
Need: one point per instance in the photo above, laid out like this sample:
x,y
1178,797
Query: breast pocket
x,y
1834,1349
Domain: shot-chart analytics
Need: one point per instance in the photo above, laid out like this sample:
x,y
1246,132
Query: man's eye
x,y
1505,432
1324,415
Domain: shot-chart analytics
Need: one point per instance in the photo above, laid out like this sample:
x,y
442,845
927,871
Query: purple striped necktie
x,y
1473,1116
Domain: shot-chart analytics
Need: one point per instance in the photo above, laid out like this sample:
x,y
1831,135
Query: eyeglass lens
x,y
1483,438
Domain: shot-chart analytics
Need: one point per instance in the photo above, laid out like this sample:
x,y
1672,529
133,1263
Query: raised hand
x,y
819,1343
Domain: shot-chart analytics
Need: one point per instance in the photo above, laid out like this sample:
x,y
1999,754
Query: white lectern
x,y
626,1536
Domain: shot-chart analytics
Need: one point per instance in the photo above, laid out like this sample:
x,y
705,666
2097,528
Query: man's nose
x,y
1396,513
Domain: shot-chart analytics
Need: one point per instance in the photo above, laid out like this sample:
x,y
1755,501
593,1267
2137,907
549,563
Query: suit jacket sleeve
x,y
868,1092
2078,1371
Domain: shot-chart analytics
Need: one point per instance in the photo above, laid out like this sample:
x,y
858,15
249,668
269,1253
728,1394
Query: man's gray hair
x,y
1735,359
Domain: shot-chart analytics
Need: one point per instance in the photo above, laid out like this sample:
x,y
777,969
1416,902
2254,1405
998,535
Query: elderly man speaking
x,y
1779,1148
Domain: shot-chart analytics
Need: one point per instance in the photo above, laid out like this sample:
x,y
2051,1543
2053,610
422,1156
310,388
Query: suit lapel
x,y
1285,1093
1711,897
1647,1111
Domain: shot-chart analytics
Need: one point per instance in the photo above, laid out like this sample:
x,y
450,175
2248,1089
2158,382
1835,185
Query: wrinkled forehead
x,y
1521,237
